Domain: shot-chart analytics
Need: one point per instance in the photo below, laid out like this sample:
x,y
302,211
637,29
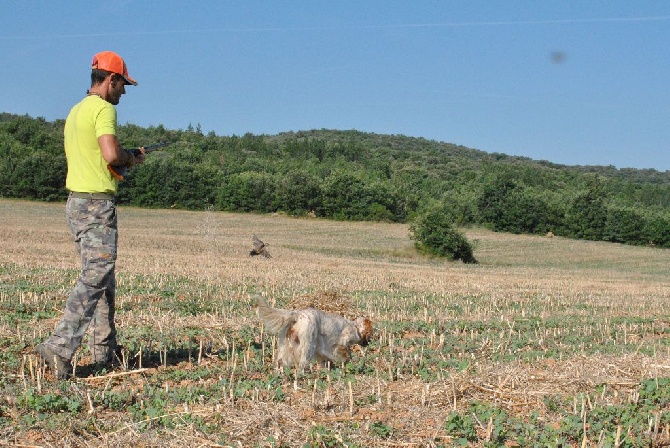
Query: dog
x,y
308,334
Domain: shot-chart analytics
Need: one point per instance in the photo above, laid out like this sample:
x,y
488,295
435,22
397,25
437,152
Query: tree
x,y
298,193
356,176
508,206
587,215
249,191
350,196
657,230
624,225
434,233
492,203
167,181
39,175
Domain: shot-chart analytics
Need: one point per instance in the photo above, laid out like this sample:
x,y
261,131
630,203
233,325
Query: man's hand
x,y
119,159
136,157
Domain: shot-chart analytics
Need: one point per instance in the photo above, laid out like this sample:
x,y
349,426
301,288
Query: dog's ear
x,y
364,330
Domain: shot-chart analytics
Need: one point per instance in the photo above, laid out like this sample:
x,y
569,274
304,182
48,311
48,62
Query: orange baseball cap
x,y
112,62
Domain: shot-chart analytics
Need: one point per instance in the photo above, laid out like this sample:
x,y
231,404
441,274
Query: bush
x,y
351,196
657,230
434,233
508,206
587,214
249,191
298,192
624,225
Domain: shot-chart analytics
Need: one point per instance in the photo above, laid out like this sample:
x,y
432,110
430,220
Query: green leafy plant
x,y
381,429
461,428
51,402
434,233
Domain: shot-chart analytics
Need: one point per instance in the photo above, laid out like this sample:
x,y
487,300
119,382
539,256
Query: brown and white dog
x,y
308,334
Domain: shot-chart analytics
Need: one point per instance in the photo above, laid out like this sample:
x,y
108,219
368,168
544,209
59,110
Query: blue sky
x,y
573,82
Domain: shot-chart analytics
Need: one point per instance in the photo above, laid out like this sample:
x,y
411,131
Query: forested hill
x,y
352,175
397,145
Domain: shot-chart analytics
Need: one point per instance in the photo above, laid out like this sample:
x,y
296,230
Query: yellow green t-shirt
x,y
86,168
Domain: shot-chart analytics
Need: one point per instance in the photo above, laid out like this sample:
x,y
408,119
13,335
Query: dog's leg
x,y
342,353
284,357
336,355
291,346
305,343
304,354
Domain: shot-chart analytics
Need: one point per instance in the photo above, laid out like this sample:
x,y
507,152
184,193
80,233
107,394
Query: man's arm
x,y
114,154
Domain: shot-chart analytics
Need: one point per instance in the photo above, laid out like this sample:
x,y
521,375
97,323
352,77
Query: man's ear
x,y
112,79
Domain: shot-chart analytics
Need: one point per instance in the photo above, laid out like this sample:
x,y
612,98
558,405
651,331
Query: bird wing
x,y
258,244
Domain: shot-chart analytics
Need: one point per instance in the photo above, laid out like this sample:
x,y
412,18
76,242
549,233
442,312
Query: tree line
x,y
351,175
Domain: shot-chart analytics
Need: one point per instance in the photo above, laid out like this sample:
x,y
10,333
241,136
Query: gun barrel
x,y
150,148
156,146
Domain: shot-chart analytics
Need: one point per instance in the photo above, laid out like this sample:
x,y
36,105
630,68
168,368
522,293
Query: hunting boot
x,y
59,366
109,360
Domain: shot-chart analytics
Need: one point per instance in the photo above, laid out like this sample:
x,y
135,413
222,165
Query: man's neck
x,y
97,90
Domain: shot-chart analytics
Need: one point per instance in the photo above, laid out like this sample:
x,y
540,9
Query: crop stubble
x,y
538,317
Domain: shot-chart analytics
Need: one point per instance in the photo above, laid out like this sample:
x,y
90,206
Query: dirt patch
x,y
328,301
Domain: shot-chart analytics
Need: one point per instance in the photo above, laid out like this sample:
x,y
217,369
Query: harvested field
x,y
546,342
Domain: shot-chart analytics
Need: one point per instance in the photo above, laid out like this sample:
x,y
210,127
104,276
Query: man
x,y
90,146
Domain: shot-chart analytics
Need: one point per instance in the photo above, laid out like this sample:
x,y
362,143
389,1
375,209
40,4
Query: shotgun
x,y
120,171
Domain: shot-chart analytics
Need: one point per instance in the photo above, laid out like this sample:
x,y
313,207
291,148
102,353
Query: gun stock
x,y
119,172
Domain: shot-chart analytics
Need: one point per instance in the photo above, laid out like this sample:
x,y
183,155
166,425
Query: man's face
x,y
117,87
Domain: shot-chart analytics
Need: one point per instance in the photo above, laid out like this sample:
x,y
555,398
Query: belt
x,y
99,196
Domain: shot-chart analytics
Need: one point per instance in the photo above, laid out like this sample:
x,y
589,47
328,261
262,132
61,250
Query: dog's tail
x,y
274,319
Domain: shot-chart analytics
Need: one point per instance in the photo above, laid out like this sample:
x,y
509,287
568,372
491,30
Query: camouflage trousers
x,y
92,224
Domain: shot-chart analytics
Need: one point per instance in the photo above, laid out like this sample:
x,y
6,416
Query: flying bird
x,y
260,248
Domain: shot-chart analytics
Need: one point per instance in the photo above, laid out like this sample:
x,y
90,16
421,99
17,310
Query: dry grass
x,y
528,294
